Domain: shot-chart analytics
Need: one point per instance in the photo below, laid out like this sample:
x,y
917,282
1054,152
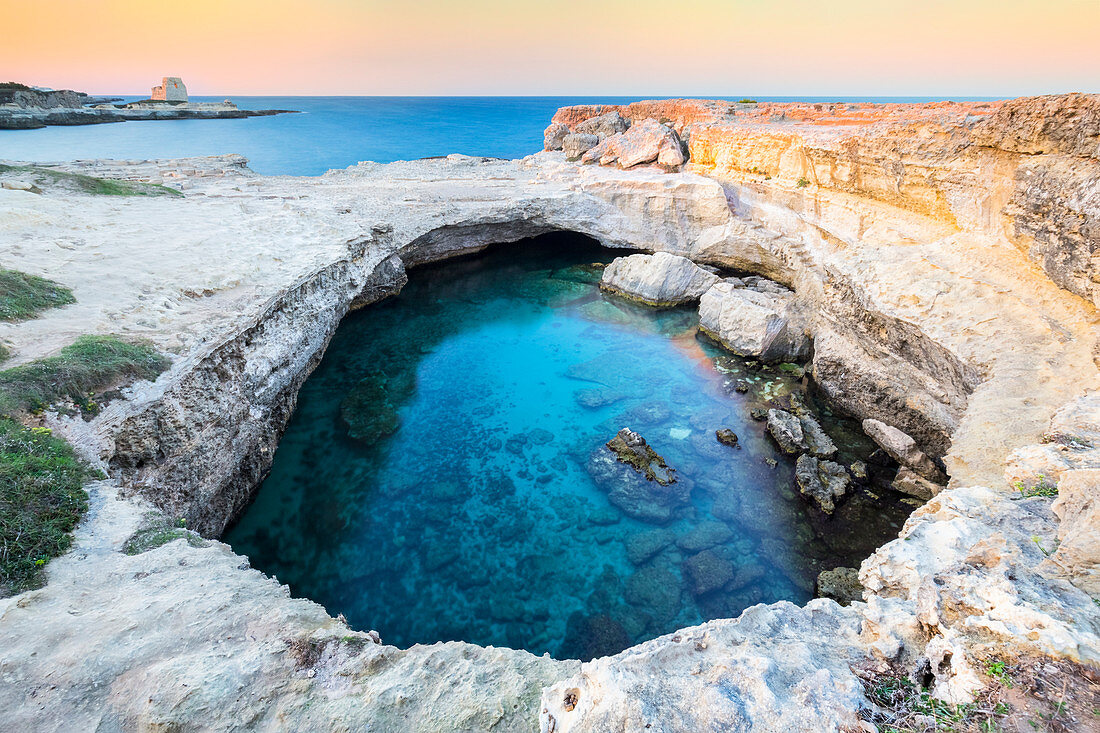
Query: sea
x,y
335,132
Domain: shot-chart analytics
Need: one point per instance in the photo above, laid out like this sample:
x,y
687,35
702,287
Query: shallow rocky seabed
x,y
445,475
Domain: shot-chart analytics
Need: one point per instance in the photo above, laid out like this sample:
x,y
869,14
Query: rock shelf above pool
x,y
956,306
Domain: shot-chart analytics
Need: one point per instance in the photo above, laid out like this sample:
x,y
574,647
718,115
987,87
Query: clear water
x,y
332,132
483,514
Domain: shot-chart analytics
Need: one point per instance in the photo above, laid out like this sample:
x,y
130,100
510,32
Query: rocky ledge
x,y
937,259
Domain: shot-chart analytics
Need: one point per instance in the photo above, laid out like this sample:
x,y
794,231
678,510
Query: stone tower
x,y
171,89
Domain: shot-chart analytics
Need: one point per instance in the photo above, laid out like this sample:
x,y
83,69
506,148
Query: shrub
x,y
88,364
746,101
47,177
41,501
23,296
803,182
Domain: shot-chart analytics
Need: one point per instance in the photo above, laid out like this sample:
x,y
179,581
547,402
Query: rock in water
x,y
577,144
637,480
823,481
632,449
726,436
705,536
707,572
787,431
903,449
910,482
370,409
752,323
659,279
817,441
644,545
840,584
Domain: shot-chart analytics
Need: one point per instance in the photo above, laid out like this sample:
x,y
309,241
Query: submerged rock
x,y
655,590
840,584
753,323
636,479
823,481
370,409
704,536
726,436
659,279
706,572
644,545
633,450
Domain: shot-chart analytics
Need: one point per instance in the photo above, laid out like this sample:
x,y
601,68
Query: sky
x,y
994,48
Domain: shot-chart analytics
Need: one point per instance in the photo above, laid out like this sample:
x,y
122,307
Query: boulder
x,y
1078,510
823,481
633,450
603,126
637,480
704,536
654,591
647,141
903,449
554,136
816,440
726,437
660,279
786,429
752,323
840,584
706,572
910,482
577,144
644,545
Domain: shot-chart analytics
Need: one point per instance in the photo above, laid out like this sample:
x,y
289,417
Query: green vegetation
x,y
803,182
998,671
47,177
911,707
13,86
41,500
746,100
90,363
158,531
1042,487
22,296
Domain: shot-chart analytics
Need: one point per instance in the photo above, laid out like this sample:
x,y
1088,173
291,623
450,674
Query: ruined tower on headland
x,y
171,89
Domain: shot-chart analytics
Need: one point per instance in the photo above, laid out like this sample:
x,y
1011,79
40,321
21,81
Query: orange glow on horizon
x,y
609,47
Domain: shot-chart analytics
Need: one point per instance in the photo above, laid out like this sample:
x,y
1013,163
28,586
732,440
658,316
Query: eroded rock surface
x,y
660,279
925,314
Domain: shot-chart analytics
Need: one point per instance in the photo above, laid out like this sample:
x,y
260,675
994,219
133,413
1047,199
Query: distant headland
x,y
24,107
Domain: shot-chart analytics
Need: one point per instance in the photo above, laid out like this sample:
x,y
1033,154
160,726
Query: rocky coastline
x,y
933,263
29,109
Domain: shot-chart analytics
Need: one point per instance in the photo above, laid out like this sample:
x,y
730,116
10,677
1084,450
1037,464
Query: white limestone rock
x,y
574,145
554,136
1078,510
777,667
659,279
603,126
752,323
647,141
903,449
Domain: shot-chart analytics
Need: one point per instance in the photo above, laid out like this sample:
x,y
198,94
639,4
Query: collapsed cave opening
x,y
447,473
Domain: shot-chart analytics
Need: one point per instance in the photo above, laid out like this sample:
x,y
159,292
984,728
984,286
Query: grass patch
x,y
159,530
90,363
23,296
47,178
1042,487
41,500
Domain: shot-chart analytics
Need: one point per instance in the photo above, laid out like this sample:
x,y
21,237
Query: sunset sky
x,y
569,47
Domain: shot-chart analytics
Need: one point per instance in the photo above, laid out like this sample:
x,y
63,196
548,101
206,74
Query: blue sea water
x,y
331,132
445,474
